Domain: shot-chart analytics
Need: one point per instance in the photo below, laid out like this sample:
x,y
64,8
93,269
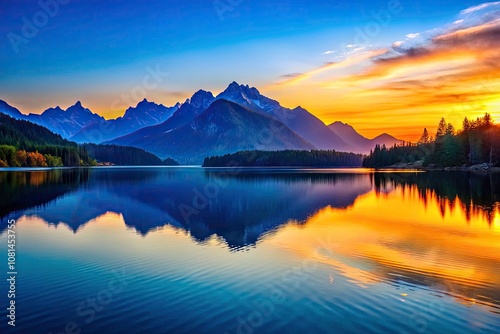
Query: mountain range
x,y
144,114
239,118
63,122
361,143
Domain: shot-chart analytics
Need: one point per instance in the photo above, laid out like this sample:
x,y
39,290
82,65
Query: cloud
x,y
479,7
361,48
290,75
450,71
329,52
485,36
455,68
453,53
176,94
411,36
328,66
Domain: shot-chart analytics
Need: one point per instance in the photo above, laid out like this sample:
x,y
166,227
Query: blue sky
x,y
100,51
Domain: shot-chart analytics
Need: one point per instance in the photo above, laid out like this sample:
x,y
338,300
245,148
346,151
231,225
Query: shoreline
x,y
41,169
479,168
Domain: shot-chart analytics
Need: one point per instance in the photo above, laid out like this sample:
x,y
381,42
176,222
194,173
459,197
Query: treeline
x,y
477,142
407,153
125,155
292,158
25,144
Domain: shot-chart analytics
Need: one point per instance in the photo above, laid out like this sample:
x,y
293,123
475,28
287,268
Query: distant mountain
x,y
360,143
144,114
299,119
79,124
250,98
66,122
225,127
154,126
185,113
385,139
9,110
63,122
26,135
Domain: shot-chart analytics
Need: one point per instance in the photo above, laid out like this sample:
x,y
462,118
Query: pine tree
x,y
441,130
424,139
450,129
466,125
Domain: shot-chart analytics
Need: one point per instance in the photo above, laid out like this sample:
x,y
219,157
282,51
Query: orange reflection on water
x,y
384,237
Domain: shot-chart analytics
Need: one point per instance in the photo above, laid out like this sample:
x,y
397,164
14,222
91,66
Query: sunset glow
x,y
453,75
365,246
399,77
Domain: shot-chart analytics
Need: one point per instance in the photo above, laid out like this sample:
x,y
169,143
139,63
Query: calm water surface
x,y
188,250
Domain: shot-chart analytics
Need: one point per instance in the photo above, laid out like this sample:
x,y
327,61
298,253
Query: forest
x,y
126,155
25,144
295,158
477,142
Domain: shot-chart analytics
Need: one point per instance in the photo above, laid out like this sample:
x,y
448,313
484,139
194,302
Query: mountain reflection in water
x,y
429,236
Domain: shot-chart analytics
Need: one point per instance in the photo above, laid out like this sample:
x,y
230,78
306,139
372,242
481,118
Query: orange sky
x,y
402,89
451,71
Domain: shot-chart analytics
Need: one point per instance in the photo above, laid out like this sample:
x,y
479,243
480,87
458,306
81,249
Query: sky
x,y
393,66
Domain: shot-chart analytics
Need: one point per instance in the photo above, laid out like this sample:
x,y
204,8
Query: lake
x,y
193,250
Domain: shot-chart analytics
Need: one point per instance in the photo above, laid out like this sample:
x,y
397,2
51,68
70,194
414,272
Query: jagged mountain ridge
x,y
63,122
144,125
144,114
80,124
186,113
298,120
224,127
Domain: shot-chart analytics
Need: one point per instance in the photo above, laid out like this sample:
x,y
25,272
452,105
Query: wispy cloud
x,y
330,66
451,71
329,52
291,75
479,7
411,36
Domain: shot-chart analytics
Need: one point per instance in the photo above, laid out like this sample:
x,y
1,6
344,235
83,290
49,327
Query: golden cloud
x,y
454,74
